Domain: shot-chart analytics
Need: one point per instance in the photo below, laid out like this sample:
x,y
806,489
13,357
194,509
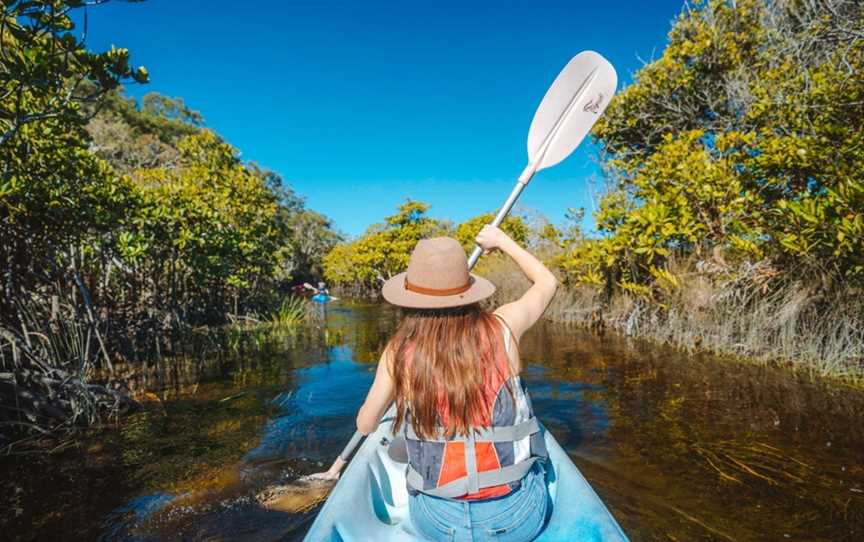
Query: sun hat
x,y
437,278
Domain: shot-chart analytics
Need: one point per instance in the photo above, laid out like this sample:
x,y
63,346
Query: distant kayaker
x,y
320,294
476,456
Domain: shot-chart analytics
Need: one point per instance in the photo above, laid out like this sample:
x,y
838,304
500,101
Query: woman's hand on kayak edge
x,y
491,238
331,474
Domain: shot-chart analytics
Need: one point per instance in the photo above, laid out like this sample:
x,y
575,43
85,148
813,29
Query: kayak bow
x,y
370,500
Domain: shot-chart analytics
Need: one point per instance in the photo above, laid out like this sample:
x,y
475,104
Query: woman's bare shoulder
x,y
511,343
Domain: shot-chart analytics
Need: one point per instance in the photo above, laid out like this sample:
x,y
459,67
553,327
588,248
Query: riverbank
x,y
52,389
725,312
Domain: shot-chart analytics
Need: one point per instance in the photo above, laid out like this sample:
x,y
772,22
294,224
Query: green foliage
x,y
132,137
207,227
549,241
513,225
383,250
53,192
743,139
145,222
45,70
167,119
312,236
155,213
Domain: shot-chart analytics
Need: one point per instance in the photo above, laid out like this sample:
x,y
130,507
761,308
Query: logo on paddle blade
x,y
594,105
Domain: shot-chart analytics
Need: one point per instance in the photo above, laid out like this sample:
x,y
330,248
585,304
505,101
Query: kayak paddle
x,y
571,106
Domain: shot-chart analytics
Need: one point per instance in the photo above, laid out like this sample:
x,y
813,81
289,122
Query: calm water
x,y
680,448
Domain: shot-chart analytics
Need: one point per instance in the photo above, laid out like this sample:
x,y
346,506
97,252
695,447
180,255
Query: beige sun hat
x,y
437,278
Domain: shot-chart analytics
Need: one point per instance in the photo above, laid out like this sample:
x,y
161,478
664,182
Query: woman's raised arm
x,y
523,313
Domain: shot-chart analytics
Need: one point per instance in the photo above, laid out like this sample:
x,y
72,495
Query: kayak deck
x,y
370,500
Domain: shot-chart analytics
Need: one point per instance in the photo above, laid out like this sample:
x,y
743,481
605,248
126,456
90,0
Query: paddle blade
x,y
570,108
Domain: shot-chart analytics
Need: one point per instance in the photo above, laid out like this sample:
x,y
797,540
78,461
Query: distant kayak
x,y
370,501
321,298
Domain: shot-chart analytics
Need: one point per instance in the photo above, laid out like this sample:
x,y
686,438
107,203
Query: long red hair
x,y
440,363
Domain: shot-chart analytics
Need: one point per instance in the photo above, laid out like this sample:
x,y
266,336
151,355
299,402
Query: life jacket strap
x,y
473,477
503,433
463,486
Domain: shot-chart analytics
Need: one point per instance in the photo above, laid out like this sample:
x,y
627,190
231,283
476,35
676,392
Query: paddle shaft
x,y
352,445
523,181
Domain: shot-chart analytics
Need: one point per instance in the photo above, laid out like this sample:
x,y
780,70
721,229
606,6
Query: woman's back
x,y
502,438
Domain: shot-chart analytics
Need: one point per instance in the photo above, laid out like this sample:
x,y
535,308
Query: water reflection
x,y
680,448
319,412
699,448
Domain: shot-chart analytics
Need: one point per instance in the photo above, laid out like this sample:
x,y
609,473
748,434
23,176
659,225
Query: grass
x,y
743,312
291,313
285,322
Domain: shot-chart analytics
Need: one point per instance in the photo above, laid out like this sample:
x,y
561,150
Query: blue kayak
x,y
370,500
321,298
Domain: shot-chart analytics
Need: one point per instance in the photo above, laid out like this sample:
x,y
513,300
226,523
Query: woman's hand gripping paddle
x,y
571,106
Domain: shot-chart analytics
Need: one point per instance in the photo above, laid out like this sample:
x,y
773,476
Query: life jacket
x,y
493,458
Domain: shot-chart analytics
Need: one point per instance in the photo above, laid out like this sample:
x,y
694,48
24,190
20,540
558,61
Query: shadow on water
x,y
680,448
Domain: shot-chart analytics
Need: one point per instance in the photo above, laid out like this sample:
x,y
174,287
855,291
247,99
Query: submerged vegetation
x,y
733,218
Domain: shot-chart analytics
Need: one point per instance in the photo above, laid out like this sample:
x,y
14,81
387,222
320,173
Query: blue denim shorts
x,y
519,516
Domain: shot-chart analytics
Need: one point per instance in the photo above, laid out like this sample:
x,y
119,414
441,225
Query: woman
x,y
476,456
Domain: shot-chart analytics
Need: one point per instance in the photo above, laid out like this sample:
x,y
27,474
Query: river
x,y
680,447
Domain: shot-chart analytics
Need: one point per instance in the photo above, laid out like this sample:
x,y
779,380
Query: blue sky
x,y
359,105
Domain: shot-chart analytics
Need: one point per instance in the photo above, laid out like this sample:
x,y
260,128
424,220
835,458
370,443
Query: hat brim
x,y
394,292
